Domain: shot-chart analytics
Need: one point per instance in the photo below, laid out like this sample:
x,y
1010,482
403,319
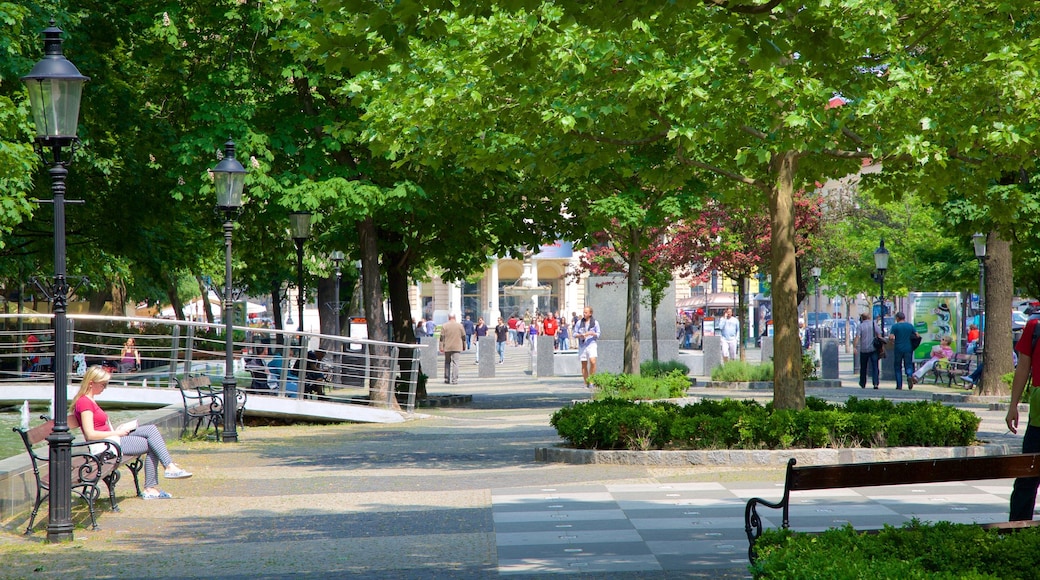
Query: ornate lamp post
x,y
816,279
881,263
337,260
300,227
55,88
228,178
980,253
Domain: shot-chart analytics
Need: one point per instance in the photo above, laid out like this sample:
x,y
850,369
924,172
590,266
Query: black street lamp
x,y
881,263
300,227
55,87
228,178
337,260
980,253
816,271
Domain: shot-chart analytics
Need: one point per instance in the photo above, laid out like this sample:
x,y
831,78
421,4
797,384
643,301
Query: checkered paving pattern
x,y
691,527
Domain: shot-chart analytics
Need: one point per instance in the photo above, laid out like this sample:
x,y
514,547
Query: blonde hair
x,y
95,374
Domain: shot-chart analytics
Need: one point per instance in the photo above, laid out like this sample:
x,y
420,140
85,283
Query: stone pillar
x,y
488,357
544,357
493,313
887,365
828,358
712,353
429,358
455,300
767,348
609,299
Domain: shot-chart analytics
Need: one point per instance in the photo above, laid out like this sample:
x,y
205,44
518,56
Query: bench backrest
x,y
194,382
912,472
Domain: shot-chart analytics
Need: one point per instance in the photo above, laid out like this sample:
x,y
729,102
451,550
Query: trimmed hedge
x,y
667,386
914,551
729,424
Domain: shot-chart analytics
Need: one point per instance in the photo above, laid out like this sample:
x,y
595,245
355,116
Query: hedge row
x,y
914,551
731,424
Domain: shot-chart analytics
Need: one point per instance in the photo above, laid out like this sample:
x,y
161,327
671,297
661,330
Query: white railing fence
x,y
266,361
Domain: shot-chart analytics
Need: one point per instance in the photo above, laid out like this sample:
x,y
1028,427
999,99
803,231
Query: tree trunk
x,y
276,304
397,267
326,307
999,293
788,388
631,362
380,390
175,299
207,308
742,316
653,330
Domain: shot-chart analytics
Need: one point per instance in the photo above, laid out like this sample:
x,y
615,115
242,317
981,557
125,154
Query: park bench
x,y
203,404
817,477
947,371
93,463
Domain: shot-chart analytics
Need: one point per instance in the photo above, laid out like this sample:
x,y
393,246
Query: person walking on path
x,y
868,356
901,333
467,325
480,330
587,333
501,335
141,440
729,329
1023,493
452,342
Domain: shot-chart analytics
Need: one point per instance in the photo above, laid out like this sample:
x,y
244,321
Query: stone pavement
x,y
457,494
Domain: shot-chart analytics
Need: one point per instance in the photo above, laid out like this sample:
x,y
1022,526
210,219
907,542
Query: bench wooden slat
x,y
916,471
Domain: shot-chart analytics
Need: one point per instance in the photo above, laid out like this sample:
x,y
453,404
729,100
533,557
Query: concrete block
x,y
828,358
767,348
608,296
566,364
544,357
429,357
712,353
488,358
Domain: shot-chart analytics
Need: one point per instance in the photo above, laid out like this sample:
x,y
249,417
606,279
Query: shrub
x,y
942,550
810,370
613,423
622,386
653,368
740,371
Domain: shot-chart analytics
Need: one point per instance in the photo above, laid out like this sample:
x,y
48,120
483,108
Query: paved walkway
x,y
458,494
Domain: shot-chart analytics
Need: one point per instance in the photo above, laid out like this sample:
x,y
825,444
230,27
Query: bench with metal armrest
x,y
817,477
93,463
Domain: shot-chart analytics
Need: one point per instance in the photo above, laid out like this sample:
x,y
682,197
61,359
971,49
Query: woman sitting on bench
x,y
941,351
144,440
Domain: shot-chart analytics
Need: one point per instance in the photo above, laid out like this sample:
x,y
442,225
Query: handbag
x,y
915,341
879,343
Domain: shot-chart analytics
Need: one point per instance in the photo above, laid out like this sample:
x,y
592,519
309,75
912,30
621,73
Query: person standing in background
x,y
467,325
587,333
729,330
501,335
452,342
900,335
480,329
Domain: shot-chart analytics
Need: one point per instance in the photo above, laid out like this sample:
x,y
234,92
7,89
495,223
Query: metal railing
x,y
267,362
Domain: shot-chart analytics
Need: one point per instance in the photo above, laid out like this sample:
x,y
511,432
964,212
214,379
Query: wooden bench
x,y
946,371
203,404
93,463
891,473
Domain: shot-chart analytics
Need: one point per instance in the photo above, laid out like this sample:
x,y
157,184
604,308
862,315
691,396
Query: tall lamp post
x,y
980,252
816,279
228,178
881,263
300,226
337,260
55,87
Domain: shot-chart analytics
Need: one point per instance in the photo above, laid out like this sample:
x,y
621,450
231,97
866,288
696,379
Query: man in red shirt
x,y
511,323
549,328
1023,494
